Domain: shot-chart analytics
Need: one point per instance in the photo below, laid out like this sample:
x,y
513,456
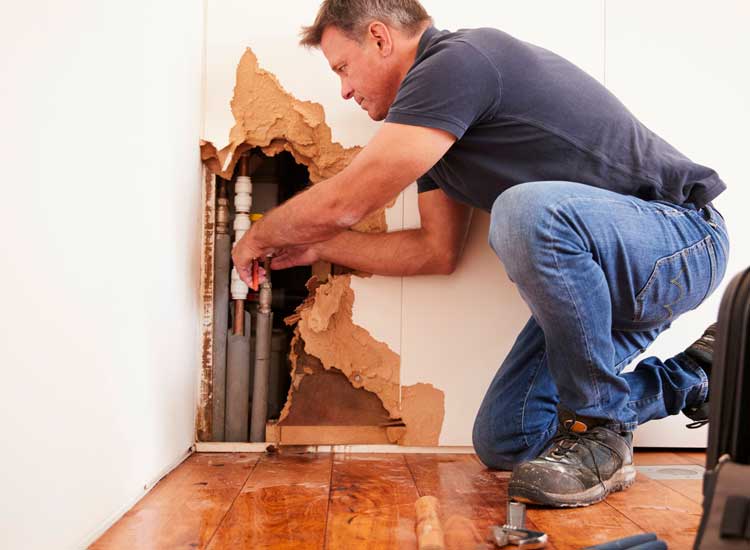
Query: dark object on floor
x,y
647,541
522,538
583,463
514,531
702,352
726,487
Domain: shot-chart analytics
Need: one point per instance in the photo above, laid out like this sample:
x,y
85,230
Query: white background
x,y
101,111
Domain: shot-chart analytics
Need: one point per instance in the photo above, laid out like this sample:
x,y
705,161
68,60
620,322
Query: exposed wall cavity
x,y
362,374
324,323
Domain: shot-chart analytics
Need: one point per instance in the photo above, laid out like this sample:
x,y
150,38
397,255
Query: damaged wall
x,y
378,307
325,325
269,118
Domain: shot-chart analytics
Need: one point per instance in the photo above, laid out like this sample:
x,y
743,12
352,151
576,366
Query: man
x,y
606,229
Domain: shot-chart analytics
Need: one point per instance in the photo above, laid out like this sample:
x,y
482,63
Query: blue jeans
x,y
603,275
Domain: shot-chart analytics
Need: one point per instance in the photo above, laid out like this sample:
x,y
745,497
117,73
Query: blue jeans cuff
x,y
692,365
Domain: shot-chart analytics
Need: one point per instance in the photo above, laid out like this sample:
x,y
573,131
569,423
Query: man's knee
x,y
522,219
516,221
498,451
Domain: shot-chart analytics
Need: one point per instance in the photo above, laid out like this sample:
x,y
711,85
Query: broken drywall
x,y
270,119
324,323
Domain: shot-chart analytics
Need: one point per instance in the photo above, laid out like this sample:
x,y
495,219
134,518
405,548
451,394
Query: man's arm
x,y
396,156
434,248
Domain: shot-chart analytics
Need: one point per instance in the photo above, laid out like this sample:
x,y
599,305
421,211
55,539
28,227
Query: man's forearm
x,y
399,253
306,218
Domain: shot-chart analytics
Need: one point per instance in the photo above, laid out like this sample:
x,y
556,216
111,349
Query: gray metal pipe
x,y
238,384
263,332
222,266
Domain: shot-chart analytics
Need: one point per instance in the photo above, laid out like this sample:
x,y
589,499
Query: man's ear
x,y
381,37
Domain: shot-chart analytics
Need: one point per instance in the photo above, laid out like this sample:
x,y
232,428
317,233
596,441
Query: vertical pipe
x,y
263,333
238,342
243,200
238,384
222,264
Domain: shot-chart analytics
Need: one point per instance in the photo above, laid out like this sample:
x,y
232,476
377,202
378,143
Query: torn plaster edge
x,y
203,416
319,315
229,447
259,101
327,315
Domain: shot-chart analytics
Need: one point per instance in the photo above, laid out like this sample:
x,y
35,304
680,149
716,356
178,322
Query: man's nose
x,y
347,92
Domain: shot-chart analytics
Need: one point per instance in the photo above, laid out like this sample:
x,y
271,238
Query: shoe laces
x,y
697,424
560,450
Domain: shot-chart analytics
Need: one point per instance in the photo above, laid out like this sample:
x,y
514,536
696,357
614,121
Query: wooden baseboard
x,y
229,447
329,435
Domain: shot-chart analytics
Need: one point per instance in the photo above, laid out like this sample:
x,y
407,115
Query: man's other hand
x,y
294,256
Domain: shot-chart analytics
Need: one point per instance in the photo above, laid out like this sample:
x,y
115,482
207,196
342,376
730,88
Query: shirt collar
x,y
425,39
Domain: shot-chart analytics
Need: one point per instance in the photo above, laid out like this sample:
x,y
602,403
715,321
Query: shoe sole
x,y
529,494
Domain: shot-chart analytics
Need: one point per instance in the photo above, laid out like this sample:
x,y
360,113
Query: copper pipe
x,y
267,268
244,164
238,327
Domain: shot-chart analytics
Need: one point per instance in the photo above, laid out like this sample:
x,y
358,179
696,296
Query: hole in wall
x,y
275,179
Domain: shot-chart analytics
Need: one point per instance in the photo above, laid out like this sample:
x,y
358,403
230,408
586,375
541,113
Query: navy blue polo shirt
x,y
521,113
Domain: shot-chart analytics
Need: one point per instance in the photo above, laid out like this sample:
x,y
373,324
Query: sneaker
x,y
702,352
583,463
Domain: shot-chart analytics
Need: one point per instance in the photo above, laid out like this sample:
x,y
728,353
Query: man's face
x,y
367,70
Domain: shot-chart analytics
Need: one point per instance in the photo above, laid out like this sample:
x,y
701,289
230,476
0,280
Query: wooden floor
x,y
337,502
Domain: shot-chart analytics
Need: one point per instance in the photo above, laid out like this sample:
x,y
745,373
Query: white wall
x,y
678,65
682,67
100,218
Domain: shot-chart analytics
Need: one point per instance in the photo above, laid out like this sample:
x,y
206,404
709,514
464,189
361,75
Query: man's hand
x,y
294,256
244,252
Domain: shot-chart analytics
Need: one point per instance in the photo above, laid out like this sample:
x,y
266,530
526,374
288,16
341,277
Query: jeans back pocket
x,y
679,283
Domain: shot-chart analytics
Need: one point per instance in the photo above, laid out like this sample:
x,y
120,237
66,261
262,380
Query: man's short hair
x,y
353,16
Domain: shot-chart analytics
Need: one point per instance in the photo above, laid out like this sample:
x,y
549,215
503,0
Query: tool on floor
x,y
646,541
514,531
429,531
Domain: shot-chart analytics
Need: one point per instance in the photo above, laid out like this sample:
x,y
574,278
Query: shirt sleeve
x,y
426,183
450,89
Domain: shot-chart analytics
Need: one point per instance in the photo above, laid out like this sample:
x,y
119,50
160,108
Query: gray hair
x,y
353,16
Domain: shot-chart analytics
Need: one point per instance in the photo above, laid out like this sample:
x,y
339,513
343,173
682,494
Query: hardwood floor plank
x,y
656,458
572,529
575,528
690,488
697,457
371,503
465,489
659,509
184,509
283,505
